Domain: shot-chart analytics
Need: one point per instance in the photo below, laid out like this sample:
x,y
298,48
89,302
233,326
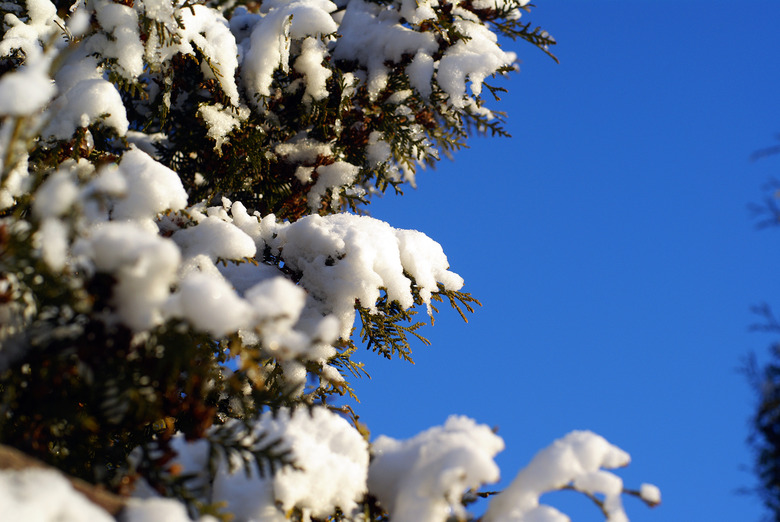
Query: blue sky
x,y
612,247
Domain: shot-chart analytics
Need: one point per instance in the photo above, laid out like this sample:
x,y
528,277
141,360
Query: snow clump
x,y
425,477
144,264
45,495
575,460
269,45
650,494
331,468
345,258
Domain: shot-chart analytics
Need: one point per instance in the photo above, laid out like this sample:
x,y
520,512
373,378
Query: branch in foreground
x,y
15,460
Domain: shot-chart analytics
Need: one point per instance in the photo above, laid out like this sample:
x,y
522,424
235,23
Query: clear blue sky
x,y
611,245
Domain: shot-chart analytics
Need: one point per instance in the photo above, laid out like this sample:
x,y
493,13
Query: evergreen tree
x,y
765,437
765,379
188,273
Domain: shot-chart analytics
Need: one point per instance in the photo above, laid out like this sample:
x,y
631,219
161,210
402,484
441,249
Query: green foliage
x,y
456,299
515,29
93,390
387,328
242,444
235,443
87,394
384,332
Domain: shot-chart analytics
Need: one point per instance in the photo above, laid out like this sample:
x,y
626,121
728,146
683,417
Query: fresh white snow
x,y
178,259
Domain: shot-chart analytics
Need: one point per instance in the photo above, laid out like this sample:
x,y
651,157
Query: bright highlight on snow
x,y
425,477
185,259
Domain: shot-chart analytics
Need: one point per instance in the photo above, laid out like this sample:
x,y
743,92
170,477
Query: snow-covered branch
x,y
184,251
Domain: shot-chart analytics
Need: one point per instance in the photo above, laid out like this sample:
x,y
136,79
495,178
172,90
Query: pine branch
x,y
536,36
343,361
456,300
236,442
136,89
383,331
